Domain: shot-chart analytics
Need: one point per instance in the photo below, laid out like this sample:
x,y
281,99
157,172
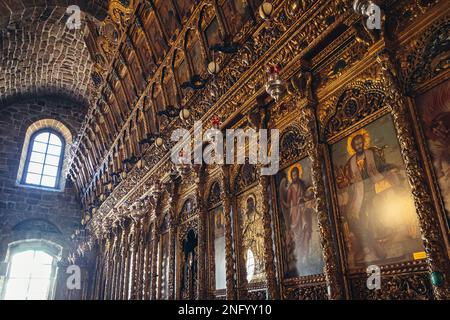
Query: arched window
x,y
30,277
45,155
31,270
44,161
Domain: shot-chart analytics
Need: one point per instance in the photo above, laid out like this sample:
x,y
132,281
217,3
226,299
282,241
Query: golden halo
x,y
300,171
361,132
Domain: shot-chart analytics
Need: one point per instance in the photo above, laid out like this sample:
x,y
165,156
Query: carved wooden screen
x,y
163,260
297,232
434,111
187,252
249,232
148,254
216,242
378,224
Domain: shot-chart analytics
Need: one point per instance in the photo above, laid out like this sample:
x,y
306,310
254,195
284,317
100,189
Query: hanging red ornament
x,y
275,86
216,122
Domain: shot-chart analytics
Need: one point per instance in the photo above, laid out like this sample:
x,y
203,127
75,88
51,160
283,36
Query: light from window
x,y
250,265
44,161
30,276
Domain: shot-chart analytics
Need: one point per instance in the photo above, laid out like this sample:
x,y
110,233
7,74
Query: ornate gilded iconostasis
x,y
363,117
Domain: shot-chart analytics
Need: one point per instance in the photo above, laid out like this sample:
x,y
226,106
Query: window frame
x,y
51,279
30,151
51,248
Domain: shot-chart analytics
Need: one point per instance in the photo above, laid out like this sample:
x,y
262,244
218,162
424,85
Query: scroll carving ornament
x,y
428,220
307,104
229,258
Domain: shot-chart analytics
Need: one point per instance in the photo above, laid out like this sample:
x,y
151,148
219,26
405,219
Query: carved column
x,y
95,279
113,271
84,266
229,259
172,255
269,260
148,255
202,235
154,267
132,267
156,197
141,263
115,262
104,266
139,260
432,237
101,272
315,152
123,259
171,190
109,272
92,272
129,257
145,271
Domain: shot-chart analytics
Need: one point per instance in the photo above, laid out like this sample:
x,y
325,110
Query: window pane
x,y
21,262
38,289
35,271
23,257
45,158
42,137
43,257
55,140
52,160
40,147
20,270
33,178
55,150
41,270
16,289
48,181
50,171
37,157
34,167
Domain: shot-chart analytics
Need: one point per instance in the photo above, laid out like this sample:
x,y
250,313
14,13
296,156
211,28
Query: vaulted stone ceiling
x,y
39,55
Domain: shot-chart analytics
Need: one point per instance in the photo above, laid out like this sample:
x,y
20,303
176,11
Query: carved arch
x,y
429,58
243,177
188,209
213,195
292,144
354,102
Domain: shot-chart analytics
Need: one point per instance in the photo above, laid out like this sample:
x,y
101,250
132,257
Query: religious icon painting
x,y
378,216
300,238
434,110
252,229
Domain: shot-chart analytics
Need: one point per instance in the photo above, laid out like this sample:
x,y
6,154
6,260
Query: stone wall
x,y
39,53
30,213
